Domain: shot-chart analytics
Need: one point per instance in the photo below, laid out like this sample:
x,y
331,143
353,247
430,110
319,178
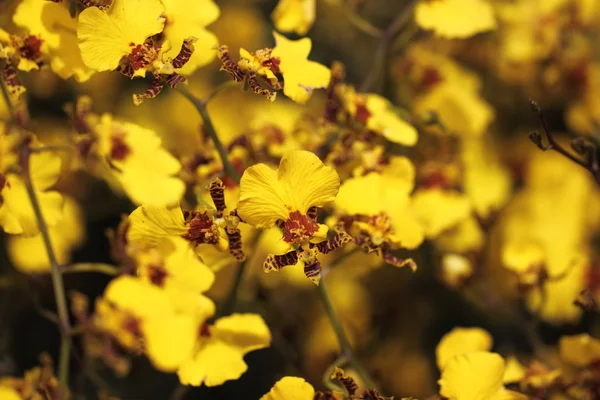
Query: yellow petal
x,y
579,350
138,297
30,14
185,19
294,15
44,168
384,120
29,254
149,224
455,18
461,341
221,356
438,210
170,341
290,388
105,37
514,370
8,393
473,376
300,75
301,182
16,212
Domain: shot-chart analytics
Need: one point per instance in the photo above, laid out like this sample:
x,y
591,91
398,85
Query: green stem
x,y
57,280
363,25
231,301
105,269
200,105
6,97
345,346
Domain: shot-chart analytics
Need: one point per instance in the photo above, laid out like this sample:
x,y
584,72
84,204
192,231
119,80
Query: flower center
x,y
157,274
202,228
142,55
298,228
119,150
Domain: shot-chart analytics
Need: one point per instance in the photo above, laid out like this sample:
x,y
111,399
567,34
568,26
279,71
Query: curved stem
x,y
57,280
231,300
200,105
105,269
345,346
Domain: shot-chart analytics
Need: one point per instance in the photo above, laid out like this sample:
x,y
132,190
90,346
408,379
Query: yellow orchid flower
x,y
289,58
136,158
52,23
290,388
289,197
455,18
294,15
476,376
378,215
28,253
219,352
579,350
16,212
105,37
437,209
184,20
461,341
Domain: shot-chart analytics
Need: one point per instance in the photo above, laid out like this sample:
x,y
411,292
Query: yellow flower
x,y
294,15
173,266
141,317
301,182
438,210
455,18
476,376
382,220
290,388
290,197
135,156
466,236
579,350
184,20
290,58
52,23
219,352
29,255
27,52
16,212
105,37
300,76
378,115
461,341
8,393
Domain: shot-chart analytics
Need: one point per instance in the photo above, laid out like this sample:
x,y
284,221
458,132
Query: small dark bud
x,y
579,145
536,138
586,301
534,106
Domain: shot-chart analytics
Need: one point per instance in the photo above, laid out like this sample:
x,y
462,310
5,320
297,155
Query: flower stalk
x,y
57,279
346,348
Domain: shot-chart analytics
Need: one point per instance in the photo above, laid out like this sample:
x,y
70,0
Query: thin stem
x,y
386,39
231,301
105,269
345,346
363,25
219,89
179,392
210,129
6,97
57,280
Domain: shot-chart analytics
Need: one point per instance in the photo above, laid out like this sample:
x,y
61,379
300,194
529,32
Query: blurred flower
x,y
437,210
461,341
579,350
455,18
16,212
219,352
52,24
294,15
476,376
456,270
290,387
29,254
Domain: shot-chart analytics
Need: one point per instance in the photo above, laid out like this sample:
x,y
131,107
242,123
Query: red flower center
x,y
298,228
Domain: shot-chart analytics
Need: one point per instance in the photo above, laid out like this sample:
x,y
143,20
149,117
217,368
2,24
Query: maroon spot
x,y
31,48
430,78
201,228
157,274
274,65
204,330
362,112
298,228
119,149
132,325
